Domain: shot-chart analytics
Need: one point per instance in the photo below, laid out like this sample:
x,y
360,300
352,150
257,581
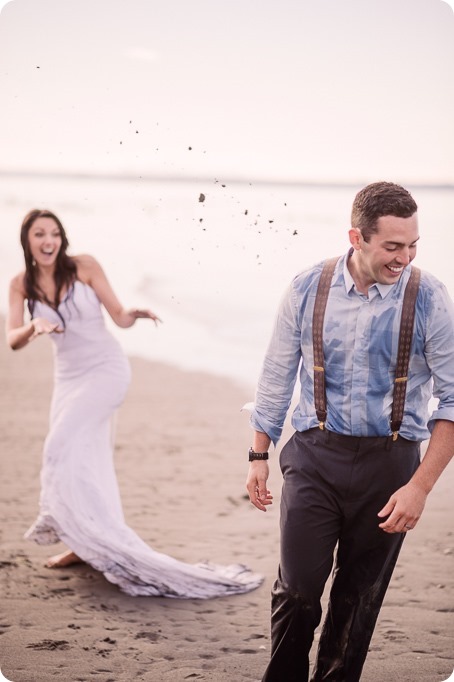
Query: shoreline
x,y
181,444
145,177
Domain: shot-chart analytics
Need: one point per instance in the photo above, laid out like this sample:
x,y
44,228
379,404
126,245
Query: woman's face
x,y
45,241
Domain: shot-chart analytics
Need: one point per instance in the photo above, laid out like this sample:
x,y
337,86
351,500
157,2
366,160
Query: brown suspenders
x,y
403,352
317,339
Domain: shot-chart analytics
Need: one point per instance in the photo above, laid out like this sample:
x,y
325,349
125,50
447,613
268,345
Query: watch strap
x,y
257,455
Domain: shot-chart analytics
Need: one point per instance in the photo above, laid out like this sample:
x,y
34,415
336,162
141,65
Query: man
x,y
352,478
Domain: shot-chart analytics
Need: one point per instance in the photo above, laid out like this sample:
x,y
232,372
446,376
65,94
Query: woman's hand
x,y
19,337
42,326
137,314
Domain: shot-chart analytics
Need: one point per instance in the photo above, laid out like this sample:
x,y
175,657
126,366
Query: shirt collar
x,y
383,289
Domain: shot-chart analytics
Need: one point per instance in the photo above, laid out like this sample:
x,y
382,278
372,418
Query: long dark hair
x,y
65,268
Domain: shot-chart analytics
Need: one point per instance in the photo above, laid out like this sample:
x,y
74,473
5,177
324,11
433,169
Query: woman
x,y
80,502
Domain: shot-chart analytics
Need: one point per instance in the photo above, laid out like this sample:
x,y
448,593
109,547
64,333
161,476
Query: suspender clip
x,y
321,426
395,435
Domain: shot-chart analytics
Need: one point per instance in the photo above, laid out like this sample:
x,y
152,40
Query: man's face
x,y
388,251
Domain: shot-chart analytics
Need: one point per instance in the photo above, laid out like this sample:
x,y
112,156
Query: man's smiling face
x,y
389,250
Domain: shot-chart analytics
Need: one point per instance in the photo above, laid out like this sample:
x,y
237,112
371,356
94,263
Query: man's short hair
x,y
380,199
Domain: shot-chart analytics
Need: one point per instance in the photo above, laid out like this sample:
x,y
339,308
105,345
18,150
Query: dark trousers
x,y
334,486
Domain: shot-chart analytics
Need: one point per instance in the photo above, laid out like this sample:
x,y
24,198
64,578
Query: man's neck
x,y
362,282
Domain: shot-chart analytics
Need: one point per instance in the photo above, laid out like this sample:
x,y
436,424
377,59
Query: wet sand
x,y
181,459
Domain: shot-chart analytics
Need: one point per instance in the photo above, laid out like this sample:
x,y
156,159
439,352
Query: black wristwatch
x,y
257,455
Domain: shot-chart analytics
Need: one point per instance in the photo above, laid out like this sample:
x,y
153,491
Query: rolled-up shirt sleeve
x,y
279,372
439,353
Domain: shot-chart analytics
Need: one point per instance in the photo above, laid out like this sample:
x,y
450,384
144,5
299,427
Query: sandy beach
x,y
181,459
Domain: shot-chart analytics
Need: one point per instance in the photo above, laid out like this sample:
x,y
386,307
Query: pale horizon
x,y
135,177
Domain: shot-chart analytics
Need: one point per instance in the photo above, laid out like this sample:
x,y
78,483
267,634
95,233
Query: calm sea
x,y
211,258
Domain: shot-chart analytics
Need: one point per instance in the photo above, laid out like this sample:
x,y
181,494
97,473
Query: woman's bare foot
x,y
61,560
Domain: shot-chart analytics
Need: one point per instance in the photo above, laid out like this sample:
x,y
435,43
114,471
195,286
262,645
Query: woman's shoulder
x,y
84,260
17,284
86,266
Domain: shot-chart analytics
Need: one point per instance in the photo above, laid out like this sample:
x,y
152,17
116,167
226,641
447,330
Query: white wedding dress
x,y
80,502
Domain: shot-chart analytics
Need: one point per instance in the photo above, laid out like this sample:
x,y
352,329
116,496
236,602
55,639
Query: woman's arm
x,y
90,272
18,333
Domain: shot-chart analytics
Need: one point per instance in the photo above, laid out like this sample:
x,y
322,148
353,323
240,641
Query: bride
x,y
80,502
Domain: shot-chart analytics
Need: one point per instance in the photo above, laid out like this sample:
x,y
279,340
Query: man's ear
x,y
355,237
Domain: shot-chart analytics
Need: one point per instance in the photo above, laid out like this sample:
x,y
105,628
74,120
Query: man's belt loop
x,y
403,353
321,299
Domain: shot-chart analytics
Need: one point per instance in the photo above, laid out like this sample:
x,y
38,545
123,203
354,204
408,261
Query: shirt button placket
x,y
360,368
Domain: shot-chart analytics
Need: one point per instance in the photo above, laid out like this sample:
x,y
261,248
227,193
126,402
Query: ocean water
x,y
211,258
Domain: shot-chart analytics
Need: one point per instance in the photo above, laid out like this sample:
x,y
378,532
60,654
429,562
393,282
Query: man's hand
x,y
259,494
403,509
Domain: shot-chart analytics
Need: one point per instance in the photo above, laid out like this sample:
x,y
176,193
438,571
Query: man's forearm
x,y
439,453
260,442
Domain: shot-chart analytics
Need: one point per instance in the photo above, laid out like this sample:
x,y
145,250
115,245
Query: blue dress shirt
x,y
361,336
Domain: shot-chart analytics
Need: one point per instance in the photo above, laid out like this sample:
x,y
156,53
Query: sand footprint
x,y
58,591
50,645
395,635
254,636
230,650
150,636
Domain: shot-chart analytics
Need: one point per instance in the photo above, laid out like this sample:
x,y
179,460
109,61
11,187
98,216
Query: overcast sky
x,y
282,89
